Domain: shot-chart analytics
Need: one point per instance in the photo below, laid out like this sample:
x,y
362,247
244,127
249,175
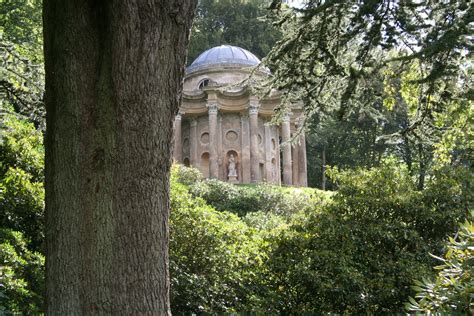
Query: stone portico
x,y
224,132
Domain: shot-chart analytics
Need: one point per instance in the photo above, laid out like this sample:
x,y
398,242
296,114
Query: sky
x,y
295,3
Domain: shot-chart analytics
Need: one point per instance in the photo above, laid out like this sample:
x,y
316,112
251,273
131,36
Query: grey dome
x,y
224,55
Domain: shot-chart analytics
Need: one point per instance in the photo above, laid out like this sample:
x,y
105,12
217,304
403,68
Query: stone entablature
x,y
224,132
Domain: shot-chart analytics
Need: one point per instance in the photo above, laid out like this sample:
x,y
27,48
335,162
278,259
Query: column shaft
x,y
193,143
178,147
245,149
268,154
220,153
254,152
285,137
213,166
277,154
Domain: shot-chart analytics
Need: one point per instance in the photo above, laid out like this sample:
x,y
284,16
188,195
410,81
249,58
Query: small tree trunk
x,y
422,171
113,77
407,154
323,174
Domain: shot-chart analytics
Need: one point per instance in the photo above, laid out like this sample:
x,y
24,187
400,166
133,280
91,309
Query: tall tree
x,y
331,41
235,22
21,60
113,79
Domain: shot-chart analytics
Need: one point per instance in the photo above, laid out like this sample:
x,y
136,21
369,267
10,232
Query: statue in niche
x,y
232,169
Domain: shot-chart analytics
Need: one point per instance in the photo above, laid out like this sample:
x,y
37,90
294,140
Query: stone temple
x,y
222,130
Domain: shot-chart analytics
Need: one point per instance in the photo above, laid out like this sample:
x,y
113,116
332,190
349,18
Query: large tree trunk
x,y
113,77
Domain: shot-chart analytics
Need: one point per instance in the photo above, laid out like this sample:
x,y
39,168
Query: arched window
x,y
203,83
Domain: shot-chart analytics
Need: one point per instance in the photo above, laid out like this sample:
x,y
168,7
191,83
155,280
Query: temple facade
x,y
222,128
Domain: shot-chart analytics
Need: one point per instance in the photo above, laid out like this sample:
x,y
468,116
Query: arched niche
x,y
236,158
274,174
205,164
186,162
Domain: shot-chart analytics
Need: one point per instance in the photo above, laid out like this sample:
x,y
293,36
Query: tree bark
x,y
114,74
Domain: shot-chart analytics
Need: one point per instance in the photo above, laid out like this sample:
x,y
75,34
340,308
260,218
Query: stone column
x,y
285,138
220,154
254,152
294,164
303,178
268,154
178,147
213,165
294,157
193,143
245,159
277,154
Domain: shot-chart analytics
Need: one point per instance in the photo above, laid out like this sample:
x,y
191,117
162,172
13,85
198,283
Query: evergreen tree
x,y
235,22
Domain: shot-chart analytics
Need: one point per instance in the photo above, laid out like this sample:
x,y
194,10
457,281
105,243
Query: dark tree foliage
x,y
235,22
21,59
360,130
330,47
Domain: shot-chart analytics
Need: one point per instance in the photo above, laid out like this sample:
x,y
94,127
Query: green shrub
x,y
185,175
21,217
267,223
453,289
22,205
21,276
214,257
21,147
21,180
360,253
244,199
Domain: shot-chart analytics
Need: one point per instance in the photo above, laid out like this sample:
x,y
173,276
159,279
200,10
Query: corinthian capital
x,y
253,107
213,108
179,115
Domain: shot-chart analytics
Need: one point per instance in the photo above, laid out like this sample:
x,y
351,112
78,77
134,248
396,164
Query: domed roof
x,y
225,55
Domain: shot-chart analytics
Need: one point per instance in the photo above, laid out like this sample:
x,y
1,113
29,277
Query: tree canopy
x,y
330,48
236,22
21,58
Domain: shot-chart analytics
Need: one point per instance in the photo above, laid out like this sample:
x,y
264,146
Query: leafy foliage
x,y
452,290
362,128
21,180
214,257
395,114
360,253
330,48
21,59
185,175
21,147
21,276
245,199
21,201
